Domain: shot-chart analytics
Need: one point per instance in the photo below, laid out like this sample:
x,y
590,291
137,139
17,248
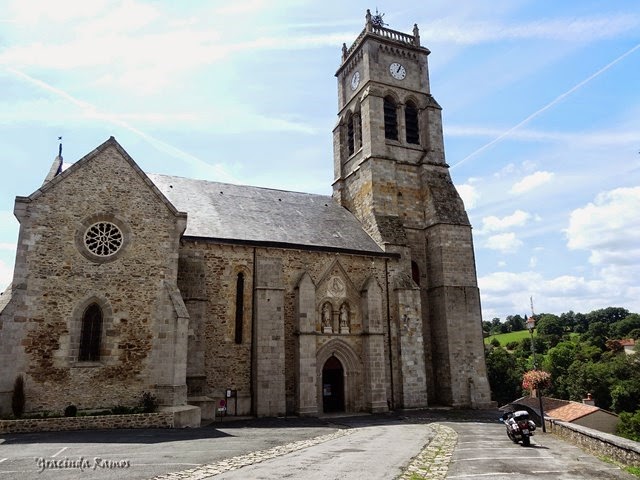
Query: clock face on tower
x,y
355,80
397,71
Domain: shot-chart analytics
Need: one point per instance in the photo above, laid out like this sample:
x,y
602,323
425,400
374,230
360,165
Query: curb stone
x,y
433,461
206,471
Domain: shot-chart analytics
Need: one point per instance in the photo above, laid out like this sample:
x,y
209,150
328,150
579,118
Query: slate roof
x,y
240,213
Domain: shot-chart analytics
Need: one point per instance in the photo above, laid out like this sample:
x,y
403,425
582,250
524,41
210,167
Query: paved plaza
x,y
419,444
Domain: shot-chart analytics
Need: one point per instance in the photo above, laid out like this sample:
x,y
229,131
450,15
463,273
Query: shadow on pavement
x,y
225,427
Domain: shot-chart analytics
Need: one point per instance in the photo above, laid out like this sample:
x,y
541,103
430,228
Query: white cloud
x,y
531,182
585,29
493,223
608,228
507,293
469,195
11,247
503,242
584,138
6,275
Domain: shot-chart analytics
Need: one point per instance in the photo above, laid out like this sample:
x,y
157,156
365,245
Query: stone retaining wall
x,y
140,420
599,443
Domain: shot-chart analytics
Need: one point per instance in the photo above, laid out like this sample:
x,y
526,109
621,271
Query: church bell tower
x,y
390,172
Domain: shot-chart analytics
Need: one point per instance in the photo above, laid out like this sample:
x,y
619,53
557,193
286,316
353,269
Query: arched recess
x,y
352,366
390,113
411,122
75,327
240,327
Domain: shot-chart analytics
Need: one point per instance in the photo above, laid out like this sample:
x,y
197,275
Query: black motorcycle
x,y
519,427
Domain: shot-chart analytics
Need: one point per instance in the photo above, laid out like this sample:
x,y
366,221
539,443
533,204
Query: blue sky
x,y
541,116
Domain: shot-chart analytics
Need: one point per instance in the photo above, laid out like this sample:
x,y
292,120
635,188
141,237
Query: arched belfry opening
x,y
332,386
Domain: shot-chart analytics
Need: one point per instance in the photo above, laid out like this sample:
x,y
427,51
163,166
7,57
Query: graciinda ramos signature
x,y
80,463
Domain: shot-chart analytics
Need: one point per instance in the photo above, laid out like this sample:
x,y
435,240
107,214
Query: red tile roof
x,y
564,410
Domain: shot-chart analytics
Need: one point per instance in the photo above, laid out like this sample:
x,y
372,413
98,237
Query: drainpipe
x,y
253,330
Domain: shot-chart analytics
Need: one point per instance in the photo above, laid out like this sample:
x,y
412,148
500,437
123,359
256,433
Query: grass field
x,y
505,338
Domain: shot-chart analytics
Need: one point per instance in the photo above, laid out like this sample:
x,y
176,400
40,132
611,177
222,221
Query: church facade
x,y
279,302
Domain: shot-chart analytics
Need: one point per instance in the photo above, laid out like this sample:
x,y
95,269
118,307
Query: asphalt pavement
x,y
445,444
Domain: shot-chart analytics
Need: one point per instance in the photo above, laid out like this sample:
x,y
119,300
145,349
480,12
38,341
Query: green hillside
x,y
505,338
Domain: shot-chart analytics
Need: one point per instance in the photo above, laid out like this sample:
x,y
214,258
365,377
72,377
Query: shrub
x,y
122,410
512,345
70,411
149,402
629,426
18,399
495,342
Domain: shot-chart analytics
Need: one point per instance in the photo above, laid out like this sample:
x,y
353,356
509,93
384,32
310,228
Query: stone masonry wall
x,y
619,449
101,422
227,364
56,281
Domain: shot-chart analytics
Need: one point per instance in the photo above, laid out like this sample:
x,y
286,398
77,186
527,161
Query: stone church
x,y
281,302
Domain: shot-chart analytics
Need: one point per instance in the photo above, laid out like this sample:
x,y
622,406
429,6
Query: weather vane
x,y
377,19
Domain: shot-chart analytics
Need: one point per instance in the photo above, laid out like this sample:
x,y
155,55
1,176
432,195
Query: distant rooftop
x,y
564,410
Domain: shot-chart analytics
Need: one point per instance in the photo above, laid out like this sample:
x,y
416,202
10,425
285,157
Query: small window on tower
x,y
411,121
415,272
390,119
350,134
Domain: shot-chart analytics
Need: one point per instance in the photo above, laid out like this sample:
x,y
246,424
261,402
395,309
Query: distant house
x,y
585,414
629,345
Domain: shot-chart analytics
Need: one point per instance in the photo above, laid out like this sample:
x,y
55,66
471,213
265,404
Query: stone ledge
x,y
98,422
622,450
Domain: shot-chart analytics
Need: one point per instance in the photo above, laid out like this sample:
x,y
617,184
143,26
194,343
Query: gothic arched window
x,y
351,134
415,272
239,306
411,122
91,334
390,119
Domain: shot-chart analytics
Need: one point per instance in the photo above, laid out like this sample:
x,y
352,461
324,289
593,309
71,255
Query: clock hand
x,y
399,67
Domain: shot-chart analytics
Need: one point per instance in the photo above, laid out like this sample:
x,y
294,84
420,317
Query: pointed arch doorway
x,y
332,386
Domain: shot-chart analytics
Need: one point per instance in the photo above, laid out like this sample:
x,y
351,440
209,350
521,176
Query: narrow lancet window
x,y
350,135
239,307
411,122
91,334
390,119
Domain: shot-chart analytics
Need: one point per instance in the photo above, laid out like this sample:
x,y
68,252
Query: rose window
x,y
103,239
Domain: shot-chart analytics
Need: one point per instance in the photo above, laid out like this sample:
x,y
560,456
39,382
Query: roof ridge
x,y
240,185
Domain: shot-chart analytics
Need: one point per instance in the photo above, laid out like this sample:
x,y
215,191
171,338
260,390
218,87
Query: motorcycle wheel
x,y
526,441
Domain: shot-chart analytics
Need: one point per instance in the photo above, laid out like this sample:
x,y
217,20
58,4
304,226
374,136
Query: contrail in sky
x,y
546,107
92,112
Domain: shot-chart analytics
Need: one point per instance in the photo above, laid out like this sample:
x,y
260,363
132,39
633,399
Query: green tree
x,y
581,323
504,375
607,315
629,426
516,322
623,328
568,321
557,363
597,334
550,328
625,396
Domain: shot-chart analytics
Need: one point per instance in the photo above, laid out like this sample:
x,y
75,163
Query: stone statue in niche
x,y
326,318
344,318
